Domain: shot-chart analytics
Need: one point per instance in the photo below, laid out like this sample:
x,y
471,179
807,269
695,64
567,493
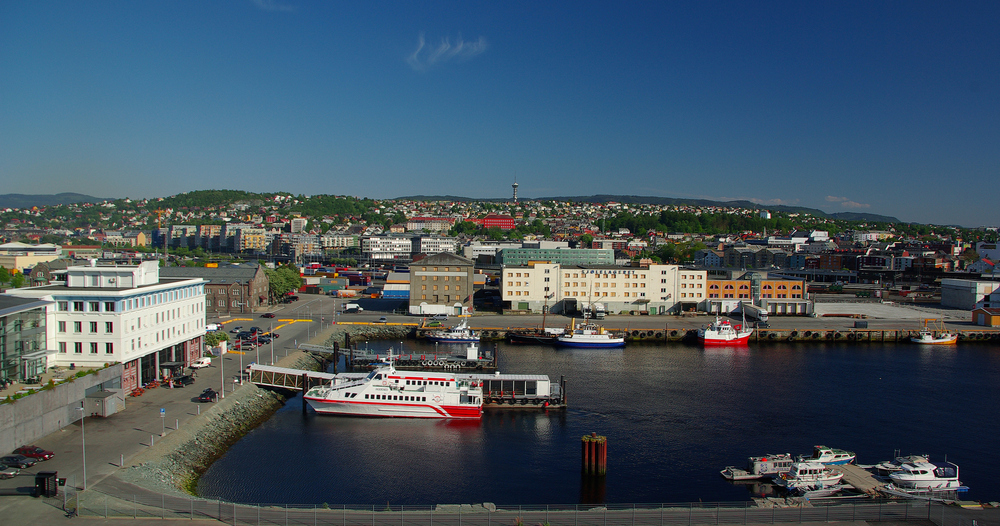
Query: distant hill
x,y
670,201
28,201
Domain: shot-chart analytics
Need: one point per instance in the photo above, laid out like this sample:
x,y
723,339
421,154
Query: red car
x,y
267,315
34,452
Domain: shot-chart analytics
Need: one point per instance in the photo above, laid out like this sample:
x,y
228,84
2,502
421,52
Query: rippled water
x,y
674,416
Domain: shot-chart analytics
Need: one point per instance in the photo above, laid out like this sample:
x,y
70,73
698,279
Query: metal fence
x,y
95,504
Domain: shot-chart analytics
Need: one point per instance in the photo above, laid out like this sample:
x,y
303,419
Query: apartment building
x,y
657,289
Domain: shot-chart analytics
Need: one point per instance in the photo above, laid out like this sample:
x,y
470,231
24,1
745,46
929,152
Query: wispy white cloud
x,y
272,5
427,56
846,203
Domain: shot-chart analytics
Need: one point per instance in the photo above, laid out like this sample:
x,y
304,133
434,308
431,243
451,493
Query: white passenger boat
x,y
723,332
386,392
828,456
887,467
759,467
590,335
808,476
461,333
926,476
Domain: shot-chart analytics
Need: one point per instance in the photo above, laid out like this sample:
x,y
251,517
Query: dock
x,y
861,479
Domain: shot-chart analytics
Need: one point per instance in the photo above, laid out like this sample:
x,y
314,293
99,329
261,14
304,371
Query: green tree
x,y
212,339
282,280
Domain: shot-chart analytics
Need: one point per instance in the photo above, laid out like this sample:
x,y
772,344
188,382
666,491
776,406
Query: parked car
x,y
439,317
383,319
17,461
255,330
235,330
8,472
267,315
274,334
34,452
208,395
204,361
181,381
212,327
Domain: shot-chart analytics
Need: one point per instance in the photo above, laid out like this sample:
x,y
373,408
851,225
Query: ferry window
x,y
378,376
366,397
423,398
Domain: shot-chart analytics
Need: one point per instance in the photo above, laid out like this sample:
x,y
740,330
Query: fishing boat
x,y
544,336
935,333
759,467
829,456
461,333
923,476
590,335
809,475
386,392
722,332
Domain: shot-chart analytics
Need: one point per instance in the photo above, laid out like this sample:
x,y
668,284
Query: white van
x,y
204,361
212,327
352,307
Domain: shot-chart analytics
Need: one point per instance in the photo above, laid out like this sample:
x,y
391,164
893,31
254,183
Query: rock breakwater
x,y
173,465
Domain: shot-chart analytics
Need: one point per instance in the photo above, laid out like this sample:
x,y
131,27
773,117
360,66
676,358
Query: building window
x,y
93,327
109,348
109,327
63,306
109,306
77,326
62,326
93,347
95,306
78,306
62,347
78,347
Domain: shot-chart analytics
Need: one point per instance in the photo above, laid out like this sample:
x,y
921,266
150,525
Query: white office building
x,y
126,314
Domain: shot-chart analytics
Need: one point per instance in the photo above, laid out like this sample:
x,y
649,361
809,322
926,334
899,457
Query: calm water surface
x,y
674,416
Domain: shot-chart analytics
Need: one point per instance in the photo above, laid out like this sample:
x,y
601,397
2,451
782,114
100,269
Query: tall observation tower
x,y
515,190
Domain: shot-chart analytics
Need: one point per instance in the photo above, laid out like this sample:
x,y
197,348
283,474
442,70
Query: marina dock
x,y
861,479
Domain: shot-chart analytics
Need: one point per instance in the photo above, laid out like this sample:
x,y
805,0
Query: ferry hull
x,y
710,342
439,339
385,409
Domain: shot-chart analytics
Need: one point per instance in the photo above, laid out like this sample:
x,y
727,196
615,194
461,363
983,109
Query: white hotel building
x,y
126,314
657,289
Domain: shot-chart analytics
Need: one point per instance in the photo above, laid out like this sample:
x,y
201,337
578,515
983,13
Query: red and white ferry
x,y
722,332
386,392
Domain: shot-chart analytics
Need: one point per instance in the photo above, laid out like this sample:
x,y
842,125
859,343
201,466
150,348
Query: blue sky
x,y
881,107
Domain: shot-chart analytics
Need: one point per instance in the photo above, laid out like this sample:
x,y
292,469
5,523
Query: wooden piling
x,y
595,455
336,356
305,387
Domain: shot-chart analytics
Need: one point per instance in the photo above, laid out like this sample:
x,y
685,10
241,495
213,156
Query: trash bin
x,y
46,484
861,325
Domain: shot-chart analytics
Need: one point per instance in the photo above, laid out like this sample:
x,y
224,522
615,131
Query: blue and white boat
x,y
461,333
829,456
591,336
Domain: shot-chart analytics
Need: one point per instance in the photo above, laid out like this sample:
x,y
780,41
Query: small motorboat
x,y
935,333
809,476
829,456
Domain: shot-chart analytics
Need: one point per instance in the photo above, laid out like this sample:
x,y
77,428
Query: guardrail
x,y
153,506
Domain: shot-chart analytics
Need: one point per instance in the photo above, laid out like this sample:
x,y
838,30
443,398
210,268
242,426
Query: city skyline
x,y
887,108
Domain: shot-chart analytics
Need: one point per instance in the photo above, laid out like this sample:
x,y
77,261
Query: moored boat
x,y
759,467
544,336
936,334
722,332
809,475
926,476
590,335
386,392
460,333
887,467
829,456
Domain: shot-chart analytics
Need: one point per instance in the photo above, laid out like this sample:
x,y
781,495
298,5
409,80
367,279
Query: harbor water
x,y
674,416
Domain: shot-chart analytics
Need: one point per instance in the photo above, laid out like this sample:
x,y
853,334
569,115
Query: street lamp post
x,y
83,439
271,332
222,373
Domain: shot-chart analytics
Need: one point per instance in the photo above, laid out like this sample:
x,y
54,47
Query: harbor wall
x,y
48,410
174,463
